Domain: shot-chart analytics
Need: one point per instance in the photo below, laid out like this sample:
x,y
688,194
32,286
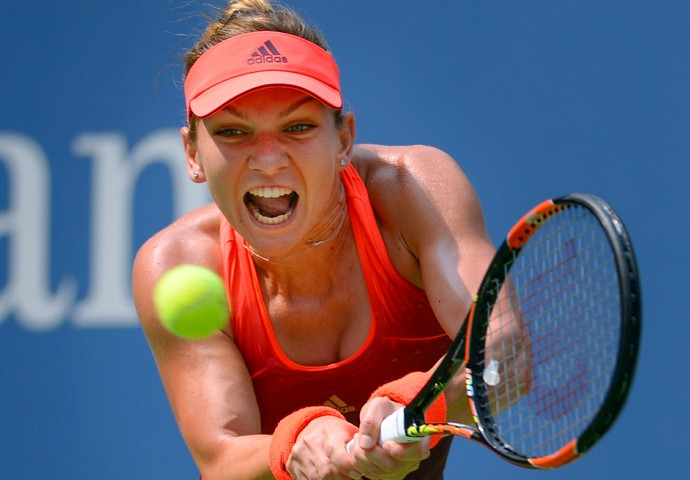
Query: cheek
x,y
227,201
220,186
217,176
216,164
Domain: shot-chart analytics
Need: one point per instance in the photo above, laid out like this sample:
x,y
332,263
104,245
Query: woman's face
x,y
271,159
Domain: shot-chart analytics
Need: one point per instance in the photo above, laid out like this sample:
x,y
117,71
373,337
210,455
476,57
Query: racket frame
x,y
409,423
630,301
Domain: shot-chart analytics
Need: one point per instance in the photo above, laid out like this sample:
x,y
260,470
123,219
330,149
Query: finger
x,y
390,461
414,451
349,446
295,469
320,464
371,416
375,463
368,434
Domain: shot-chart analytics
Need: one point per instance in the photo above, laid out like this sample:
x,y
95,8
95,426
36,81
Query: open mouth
x,y
271,206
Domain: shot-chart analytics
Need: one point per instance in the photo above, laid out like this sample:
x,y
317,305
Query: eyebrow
x,y
283,113
294,106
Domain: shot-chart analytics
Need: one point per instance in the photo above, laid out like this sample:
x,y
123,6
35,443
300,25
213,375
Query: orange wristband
x,y
403,390
286,434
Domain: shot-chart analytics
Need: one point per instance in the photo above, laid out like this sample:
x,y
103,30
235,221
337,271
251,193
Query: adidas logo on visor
x,y
266,53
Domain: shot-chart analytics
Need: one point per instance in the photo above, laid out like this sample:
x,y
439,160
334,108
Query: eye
x,y
229,132
300,128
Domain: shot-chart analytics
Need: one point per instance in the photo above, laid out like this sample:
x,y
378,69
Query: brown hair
x,y
245,16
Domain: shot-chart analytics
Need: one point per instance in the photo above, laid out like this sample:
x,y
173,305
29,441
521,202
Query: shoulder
x,y
420,194
406,179
187,237
386,162
421,198
193,238
415,173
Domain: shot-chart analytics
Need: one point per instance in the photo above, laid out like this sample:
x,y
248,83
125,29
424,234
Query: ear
x,y
347,138
194,168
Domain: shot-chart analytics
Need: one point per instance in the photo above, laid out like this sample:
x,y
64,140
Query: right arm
x,y
206,381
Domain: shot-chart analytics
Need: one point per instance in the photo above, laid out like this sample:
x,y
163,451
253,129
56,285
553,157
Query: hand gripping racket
x,y
550,343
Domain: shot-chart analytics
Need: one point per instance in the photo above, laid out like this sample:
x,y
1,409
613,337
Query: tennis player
x,y
348,267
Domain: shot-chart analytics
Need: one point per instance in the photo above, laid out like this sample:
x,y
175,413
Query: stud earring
x,y
196,175
342,162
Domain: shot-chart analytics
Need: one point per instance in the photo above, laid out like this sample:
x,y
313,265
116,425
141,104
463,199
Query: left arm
x,y
434,229
454,251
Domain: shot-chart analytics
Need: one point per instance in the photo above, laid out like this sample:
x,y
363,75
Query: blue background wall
x,y
534,99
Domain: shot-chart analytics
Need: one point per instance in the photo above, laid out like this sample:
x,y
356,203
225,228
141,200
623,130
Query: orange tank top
x,y
404,335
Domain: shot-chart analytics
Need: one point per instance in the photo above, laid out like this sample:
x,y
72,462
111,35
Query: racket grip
x,y
393,428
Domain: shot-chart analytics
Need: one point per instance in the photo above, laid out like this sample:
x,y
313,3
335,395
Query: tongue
x,y
272,207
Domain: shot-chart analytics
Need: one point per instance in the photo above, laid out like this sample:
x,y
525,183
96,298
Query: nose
x,y
268,157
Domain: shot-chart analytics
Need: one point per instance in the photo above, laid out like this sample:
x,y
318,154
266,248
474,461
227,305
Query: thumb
x,y
371,417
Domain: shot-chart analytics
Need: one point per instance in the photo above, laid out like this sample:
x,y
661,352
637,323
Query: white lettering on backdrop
x,y
26,225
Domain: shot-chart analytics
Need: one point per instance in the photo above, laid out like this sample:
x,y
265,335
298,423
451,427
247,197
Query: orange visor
x,y
250,61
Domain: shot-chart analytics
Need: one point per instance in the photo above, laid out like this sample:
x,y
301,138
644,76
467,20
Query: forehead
x,y
278,100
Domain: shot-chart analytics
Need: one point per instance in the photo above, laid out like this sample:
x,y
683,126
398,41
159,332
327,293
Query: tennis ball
x,y
190,301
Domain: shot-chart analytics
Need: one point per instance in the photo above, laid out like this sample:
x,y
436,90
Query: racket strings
x,y
557,355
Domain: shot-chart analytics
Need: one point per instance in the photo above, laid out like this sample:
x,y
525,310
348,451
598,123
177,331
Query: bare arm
x,y
454,251
435,233
433,228
207,383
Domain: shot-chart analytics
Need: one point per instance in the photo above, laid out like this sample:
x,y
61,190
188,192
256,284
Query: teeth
x,y
269,220
270,192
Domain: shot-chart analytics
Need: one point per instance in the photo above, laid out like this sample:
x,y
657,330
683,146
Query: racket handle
x,y
393,428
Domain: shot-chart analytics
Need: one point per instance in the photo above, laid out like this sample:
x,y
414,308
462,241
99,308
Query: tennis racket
x,y
551,340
